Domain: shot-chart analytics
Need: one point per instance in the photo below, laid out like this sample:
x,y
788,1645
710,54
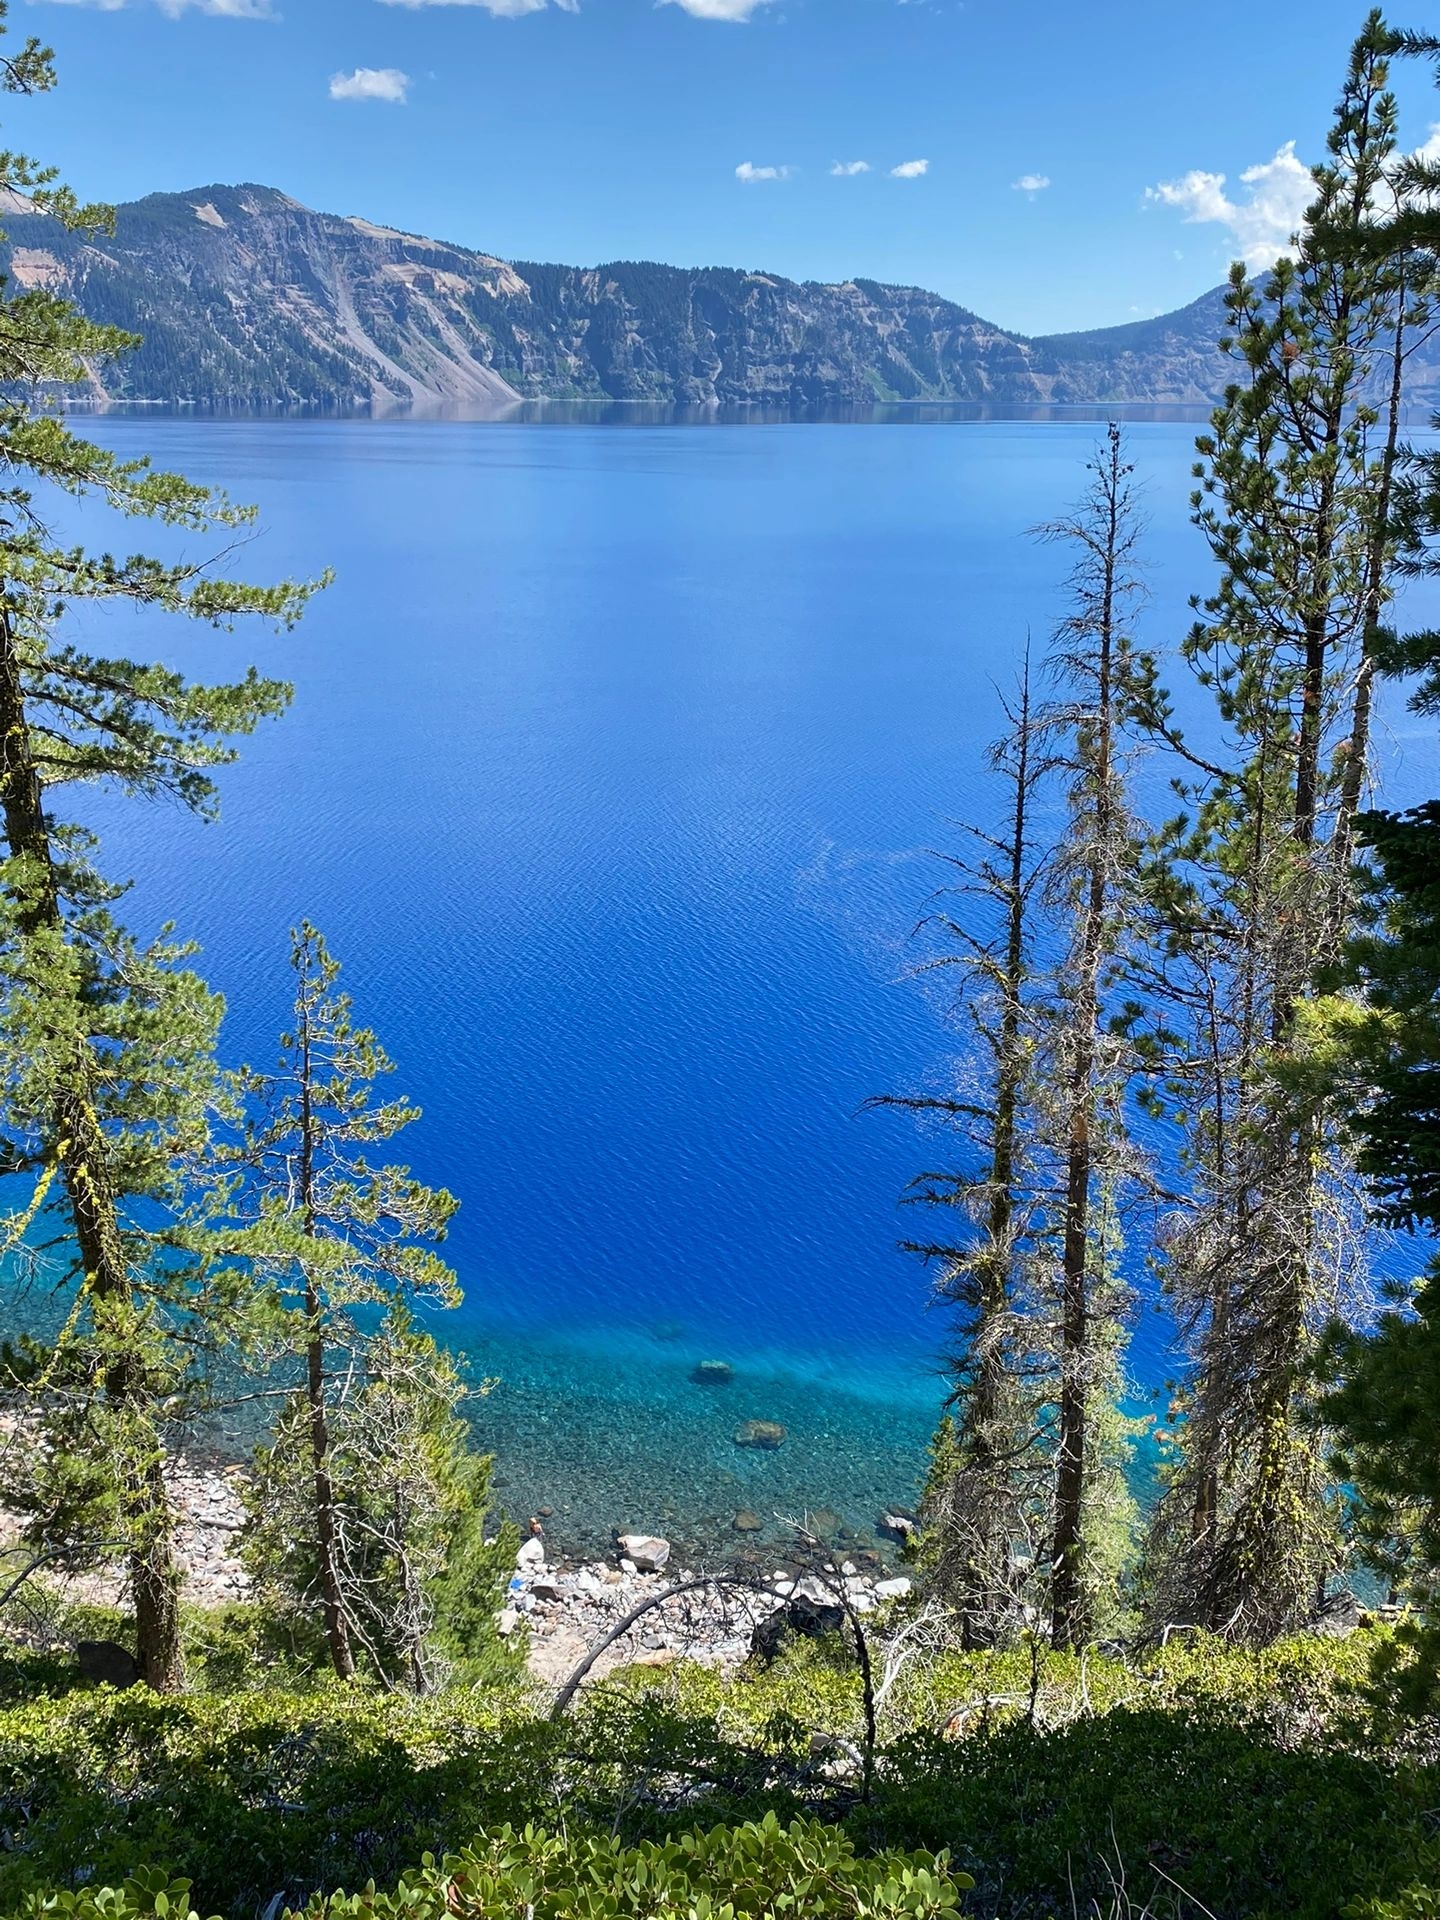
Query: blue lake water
x,y
615,760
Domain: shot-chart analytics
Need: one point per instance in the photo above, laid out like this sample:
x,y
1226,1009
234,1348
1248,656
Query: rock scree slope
x,y
246,299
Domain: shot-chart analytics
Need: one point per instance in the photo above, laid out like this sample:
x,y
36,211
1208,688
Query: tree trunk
x,y
83,1154
1069,1627
1070,1612
988,1443
327,1544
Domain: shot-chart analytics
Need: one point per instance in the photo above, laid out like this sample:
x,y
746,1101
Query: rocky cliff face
x,y
244,298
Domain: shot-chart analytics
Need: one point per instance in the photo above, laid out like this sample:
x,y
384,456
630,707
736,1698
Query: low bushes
x,y
749,1872
1199,1779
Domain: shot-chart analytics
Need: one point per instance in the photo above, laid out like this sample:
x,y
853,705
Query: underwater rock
x,y
713,1373
898,1524
765,1435
647,1551
747,1522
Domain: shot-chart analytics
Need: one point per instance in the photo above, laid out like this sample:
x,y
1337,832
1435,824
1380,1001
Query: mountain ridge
x,y
247,299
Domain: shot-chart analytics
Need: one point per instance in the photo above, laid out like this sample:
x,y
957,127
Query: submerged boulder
x,y
713,1373
765,1435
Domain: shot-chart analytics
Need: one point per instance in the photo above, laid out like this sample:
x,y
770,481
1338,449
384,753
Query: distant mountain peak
x,y
246,298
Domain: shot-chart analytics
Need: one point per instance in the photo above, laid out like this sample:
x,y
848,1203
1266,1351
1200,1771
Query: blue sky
x,y
706,131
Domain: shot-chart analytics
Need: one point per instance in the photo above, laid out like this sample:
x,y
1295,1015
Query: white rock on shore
x,y
577,1606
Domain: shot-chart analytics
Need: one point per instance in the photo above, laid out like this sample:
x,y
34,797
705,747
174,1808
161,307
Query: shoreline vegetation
x,y
403,1700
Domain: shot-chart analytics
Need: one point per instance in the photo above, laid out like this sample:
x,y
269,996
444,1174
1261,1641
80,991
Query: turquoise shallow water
x,y
621,1435
616,762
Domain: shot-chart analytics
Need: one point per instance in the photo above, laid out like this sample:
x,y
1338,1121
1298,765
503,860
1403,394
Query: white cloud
x,y
1264,223
371,83
749,174
734,10
220,9
1031,183
1427,155
909,169
217,9
847,169
501,9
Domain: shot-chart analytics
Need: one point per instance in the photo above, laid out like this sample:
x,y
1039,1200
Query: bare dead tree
x,y
986,1492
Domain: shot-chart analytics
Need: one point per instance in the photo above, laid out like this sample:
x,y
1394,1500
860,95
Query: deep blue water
x,y
614,762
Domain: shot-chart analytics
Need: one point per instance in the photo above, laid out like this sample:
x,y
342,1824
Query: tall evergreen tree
x,y
1027,1474
107,1043
1384,1379
361,1487
1382,1054
1089,1061
985,1512
1251,893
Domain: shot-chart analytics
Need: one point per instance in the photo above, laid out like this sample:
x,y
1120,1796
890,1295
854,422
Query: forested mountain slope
x,y
245,298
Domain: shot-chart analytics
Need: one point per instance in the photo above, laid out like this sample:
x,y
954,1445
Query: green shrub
x,y
1160,1798
253,1794
759,1869
1248,1779
752,1872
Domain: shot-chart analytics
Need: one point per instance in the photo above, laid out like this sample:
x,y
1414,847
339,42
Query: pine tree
x,y
1251,894
1032,1456
419,1583
1384,1379
985,1512
108,1044
363,1481
1376,1040
1088,1062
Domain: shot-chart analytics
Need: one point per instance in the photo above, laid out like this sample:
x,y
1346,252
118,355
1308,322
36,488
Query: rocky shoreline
x,y
565,1608
209,1513
718,1617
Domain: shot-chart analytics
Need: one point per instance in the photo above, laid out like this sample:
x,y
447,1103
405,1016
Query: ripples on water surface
x,y
615,758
